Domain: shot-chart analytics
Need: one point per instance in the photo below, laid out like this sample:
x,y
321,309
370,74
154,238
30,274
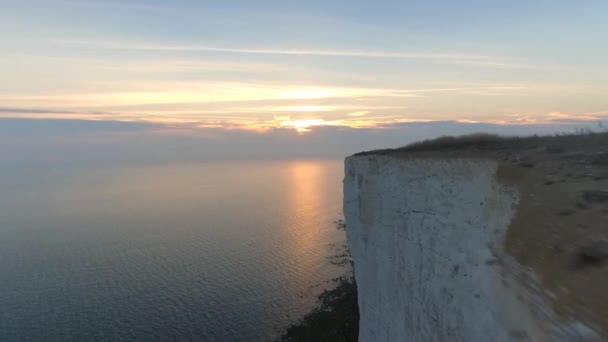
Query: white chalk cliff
x,y
426,236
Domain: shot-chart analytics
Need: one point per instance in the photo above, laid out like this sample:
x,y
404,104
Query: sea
x,y
208,251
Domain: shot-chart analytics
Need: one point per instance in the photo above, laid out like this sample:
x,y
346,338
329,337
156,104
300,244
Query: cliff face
x,y
427,236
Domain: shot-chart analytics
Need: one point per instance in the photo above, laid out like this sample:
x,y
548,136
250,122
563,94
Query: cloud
x,y
172,66
577,117
17,110
161,93
261,117
51,113
482,60
154,99
27,129
360,113
508,65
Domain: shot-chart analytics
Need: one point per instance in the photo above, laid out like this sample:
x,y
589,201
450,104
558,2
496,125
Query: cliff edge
x,y
481,238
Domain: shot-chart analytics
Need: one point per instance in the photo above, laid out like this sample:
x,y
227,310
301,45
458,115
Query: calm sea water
x,y
223,251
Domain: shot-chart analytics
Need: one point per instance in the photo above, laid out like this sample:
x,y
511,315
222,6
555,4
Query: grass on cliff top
x,y
494,142
478,140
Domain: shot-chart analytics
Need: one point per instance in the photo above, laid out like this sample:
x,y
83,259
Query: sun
x,y
305,125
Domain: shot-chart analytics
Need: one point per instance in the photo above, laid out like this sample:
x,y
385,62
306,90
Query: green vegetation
x,y
336,319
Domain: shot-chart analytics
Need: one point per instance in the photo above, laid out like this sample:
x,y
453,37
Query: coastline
x,y
336,317
336,314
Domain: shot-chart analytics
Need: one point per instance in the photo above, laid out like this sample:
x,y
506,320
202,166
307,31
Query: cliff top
x,y
484,142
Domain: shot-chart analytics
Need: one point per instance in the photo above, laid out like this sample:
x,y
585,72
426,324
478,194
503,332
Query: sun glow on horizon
x,y
303,126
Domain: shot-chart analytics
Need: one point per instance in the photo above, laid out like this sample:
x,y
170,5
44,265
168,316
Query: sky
x,y
263,67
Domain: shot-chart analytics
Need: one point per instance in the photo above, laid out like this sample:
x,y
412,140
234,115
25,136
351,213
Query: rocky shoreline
x,y
336,316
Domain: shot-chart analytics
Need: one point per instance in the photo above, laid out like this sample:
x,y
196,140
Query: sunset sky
x,y
259,65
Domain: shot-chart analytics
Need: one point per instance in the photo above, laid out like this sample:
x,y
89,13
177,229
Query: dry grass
x,y
477,140
557,143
